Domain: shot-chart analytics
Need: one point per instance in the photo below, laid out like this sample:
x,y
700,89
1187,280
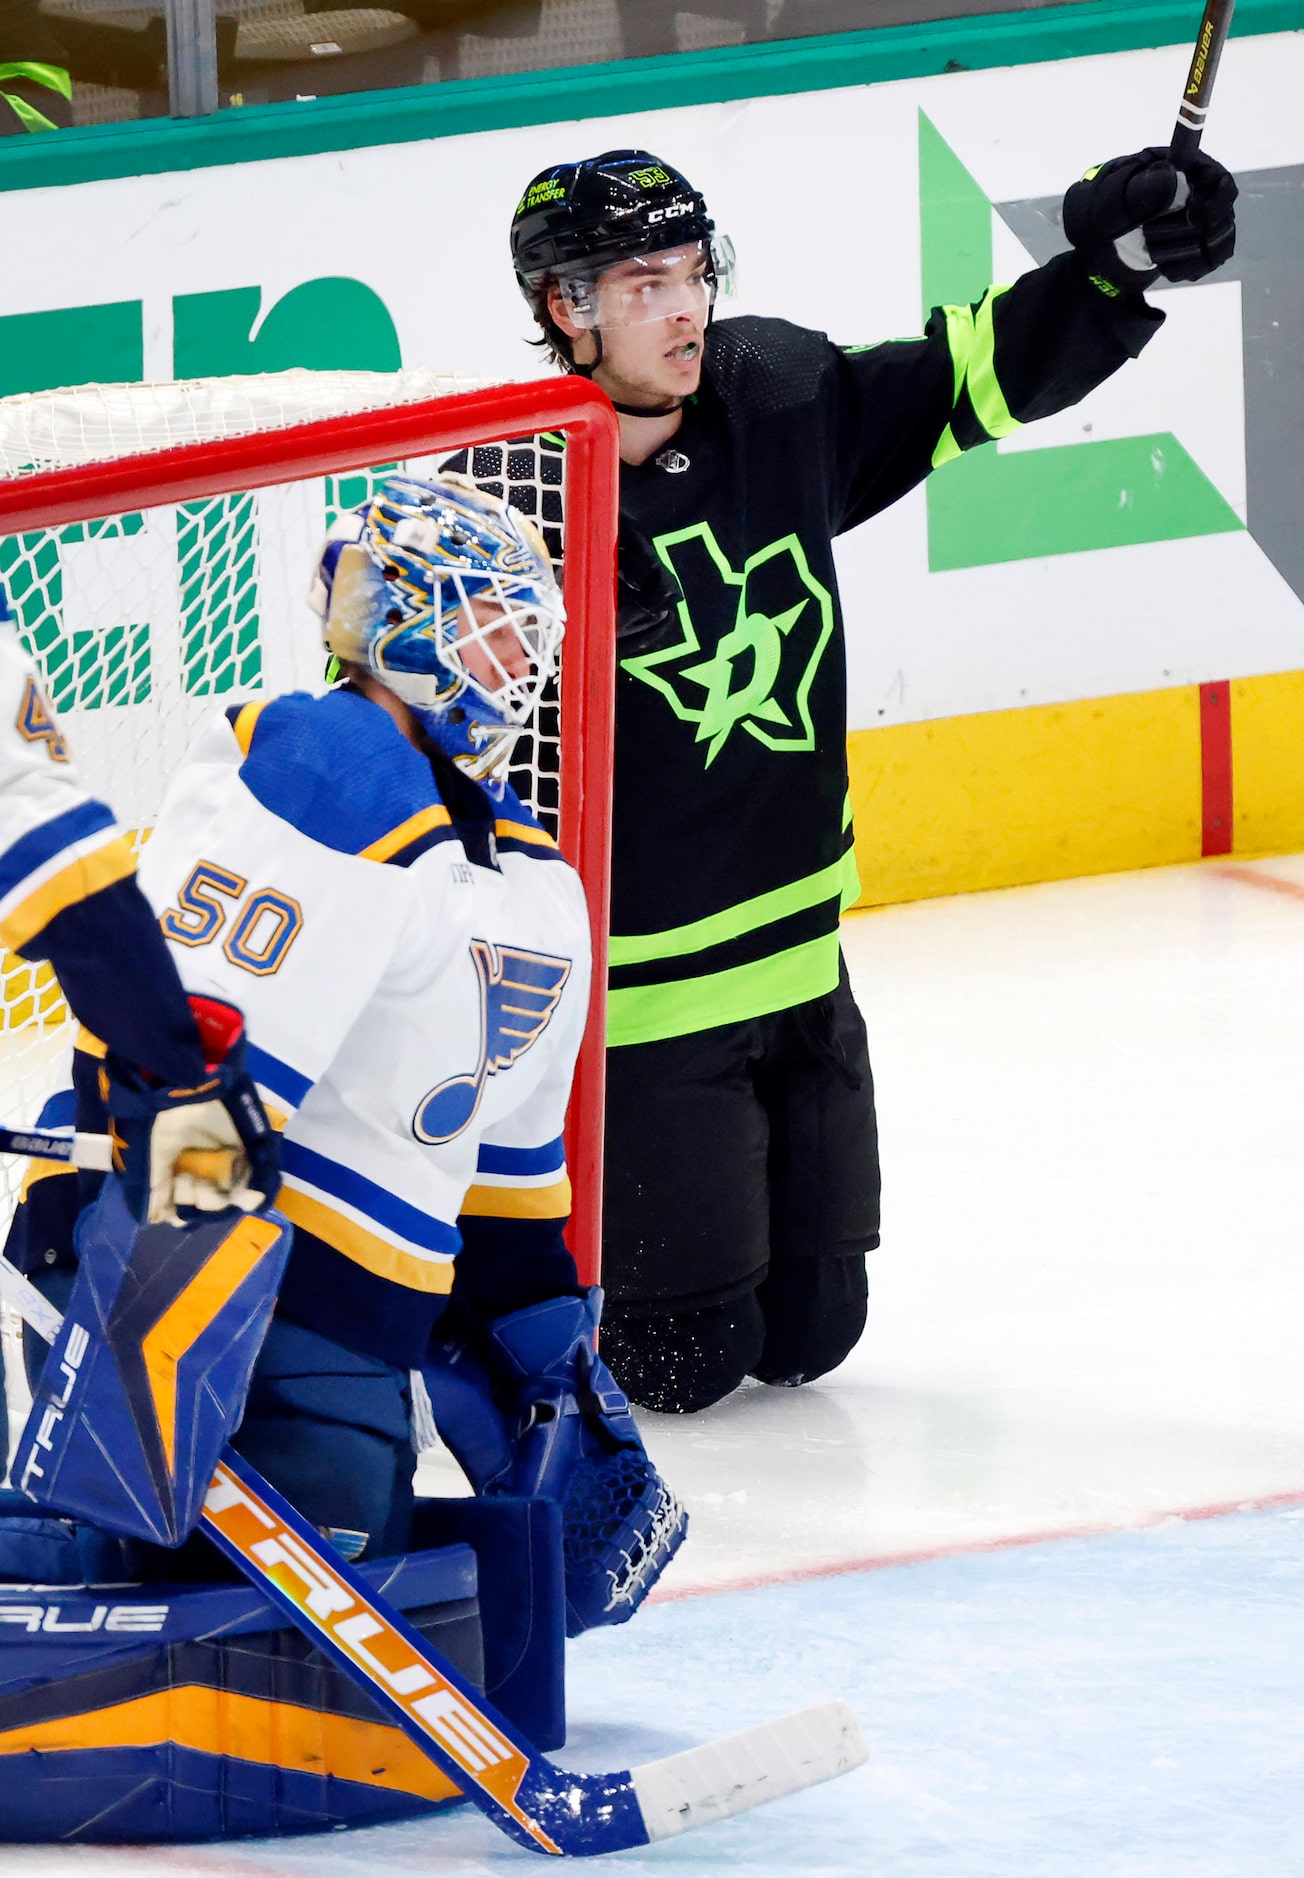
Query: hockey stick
x,y
90,1151
1209,43
520,1790
95,1153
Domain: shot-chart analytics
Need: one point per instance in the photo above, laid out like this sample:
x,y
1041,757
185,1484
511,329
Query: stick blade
x,y
745,1770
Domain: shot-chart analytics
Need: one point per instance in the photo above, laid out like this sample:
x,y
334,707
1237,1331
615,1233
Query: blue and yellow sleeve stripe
x,y
57,865
520,1183
364,1222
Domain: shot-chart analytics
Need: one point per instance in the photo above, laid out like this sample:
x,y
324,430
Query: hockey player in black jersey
x,y
742,1161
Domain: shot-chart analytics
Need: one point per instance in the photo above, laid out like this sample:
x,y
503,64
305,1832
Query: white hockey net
x,y
148,620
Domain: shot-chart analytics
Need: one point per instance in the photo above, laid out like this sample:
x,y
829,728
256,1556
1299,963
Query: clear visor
x,y
672,284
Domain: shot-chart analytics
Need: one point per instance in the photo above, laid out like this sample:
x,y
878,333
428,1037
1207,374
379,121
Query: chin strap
x,y
628,410
587,371
648,410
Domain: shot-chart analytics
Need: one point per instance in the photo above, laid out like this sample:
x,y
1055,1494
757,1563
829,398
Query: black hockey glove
x,y
1135,218
647,593
1193,240
209,1147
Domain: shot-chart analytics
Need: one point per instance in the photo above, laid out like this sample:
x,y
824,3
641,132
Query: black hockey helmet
x,y
577,218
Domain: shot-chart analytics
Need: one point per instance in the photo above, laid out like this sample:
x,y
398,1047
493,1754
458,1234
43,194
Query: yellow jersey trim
x,y
244,725
522,831
375,1255
411,830
552,1202
91,873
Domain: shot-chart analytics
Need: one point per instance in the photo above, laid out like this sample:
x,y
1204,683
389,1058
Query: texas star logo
x,y
519,991
771,625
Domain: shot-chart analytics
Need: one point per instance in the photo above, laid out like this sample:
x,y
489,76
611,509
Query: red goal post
x,y
103,481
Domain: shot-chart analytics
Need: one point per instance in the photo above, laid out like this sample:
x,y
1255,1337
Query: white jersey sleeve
x,y
58,844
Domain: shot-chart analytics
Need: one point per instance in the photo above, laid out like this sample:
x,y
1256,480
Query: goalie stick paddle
x,y
1194,108
520,1790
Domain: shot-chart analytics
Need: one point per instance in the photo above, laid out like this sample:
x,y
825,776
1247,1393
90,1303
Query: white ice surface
x,y
1086,1318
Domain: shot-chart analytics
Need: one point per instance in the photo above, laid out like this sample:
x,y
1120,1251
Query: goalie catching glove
x,y
205,1148
528,1407
1137,217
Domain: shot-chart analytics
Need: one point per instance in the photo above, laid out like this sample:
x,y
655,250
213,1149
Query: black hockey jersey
x,y
732,834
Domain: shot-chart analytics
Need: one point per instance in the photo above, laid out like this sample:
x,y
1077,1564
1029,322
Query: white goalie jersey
x,y
415,986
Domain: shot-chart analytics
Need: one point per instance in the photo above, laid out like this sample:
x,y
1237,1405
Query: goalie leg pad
x,y
148,1376
173,1713
40,1240
568,1435
41,1551
329,1428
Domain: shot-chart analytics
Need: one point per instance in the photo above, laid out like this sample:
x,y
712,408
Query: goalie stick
x,y
521,1791
90,1151
1194,109
95,1153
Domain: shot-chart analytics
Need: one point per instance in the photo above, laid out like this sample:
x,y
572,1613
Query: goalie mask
x,y
447,596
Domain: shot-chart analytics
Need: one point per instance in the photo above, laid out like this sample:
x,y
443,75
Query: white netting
x,y
95,423
146,622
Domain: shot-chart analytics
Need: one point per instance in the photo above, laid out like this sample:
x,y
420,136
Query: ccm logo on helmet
x,y
669,213
119,1617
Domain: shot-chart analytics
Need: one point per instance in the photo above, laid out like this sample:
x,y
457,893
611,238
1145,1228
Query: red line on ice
x,y
1266,883
839,1568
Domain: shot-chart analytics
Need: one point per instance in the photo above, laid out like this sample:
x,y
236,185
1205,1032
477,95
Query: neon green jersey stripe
x,y
985,393
717,928
650,1013
971,338
850,880
959,339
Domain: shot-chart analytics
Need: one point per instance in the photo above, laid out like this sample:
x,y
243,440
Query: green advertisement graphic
x,y
334,325
1067,498
759,675
73,345
329,324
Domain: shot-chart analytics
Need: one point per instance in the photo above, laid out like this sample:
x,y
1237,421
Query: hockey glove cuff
x,y
205,1148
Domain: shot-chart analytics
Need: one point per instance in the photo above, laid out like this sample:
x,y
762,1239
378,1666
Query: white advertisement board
x,y
1148,539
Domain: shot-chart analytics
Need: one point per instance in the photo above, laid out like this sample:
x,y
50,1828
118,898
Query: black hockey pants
x,y
742,1194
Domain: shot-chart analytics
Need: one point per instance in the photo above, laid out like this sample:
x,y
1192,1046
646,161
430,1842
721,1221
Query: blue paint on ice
x,y
1121,1707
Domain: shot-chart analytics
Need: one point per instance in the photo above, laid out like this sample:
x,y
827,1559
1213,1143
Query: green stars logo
x,y
759,673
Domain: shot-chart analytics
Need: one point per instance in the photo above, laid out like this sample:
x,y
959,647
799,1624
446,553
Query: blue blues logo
x,y
519,991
